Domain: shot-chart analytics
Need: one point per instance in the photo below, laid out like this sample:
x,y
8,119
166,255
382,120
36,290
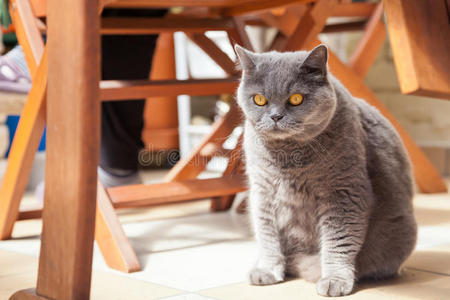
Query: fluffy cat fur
x,y
330,181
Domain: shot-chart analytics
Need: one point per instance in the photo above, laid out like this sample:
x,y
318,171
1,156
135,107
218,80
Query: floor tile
x,y
108,286
19,272
190,231
13,283
198,268
12,263
436,259
432,209
410,285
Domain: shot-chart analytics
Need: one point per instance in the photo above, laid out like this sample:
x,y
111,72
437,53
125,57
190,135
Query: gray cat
x,y
330,182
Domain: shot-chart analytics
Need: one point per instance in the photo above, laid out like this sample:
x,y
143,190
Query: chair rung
x,y
163,193
175,191
30,213
158,25
138,89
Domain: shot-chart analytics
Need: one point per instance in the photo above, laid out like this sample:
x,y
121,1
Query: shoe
x,y
118,177
14,75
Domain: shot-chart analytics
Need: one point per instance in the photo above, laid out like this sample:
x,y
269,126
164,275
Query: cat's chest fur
x,y
294,180
296,216
294,203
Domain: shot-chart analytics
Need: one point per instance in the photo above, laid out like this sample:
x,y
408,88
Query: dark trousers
x,y
124,57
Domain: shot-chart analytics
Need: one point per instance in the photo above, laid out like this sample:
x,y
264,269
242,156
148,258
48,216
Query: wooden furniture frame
x,y
64,270
420,39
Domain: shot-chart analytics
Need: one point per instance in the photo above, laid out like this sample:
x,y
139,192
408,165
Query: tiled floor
x,y
188,253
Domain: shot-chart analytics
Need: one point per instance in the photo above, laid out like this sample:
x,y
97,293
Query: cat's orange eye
x,y
296,99
259,100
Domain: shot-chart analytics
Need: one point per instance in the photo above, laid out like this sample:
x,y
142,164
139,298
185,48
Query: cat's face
x,y
286,95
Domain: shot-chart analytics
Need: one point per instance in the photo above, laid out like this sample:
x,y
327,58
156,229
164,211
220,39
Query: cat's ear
x,y
246,58
316,62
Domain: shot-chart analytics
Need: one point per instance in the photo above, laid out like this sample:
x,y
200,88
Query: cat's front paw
x,y
334,286
259,276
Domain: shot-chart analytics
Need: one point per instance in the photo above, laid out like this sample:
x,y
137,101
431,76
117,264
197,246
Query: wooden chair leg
x,y
32,121
238,35
214,52
27,33
369,45
195,163
111,238
160,114
25,145
310,25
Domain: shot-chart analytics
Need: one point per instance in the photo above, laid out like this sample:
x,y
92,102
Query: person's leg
x,y
124,57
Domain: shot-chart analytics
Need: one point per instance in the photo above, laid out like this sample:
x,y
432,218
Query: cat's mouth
x,y
276,128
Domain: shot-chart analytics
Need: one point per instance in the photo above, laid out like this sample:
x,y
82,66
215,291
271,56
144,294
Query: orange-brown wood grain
x,y
310,25
420,37
162,25
32,121
138,89
359,9
160,130
175,191
111,238
369,45
39,7
238,34
73,133
214,52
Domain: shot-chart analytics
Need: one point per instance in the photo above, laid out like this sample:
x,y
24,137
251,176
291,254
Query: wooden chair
x,y
298,25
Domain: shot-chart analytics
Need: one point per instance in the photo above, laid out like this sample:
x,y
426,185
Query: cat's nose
x,y
276,117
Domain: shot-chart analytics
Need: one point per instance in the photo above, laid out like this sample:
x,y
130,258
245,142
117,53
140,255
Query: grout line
x,y
130,277
427,271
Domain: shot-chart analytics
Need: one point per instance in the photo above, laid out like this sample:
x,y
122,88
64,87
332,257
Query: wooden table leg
x,y
73,115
